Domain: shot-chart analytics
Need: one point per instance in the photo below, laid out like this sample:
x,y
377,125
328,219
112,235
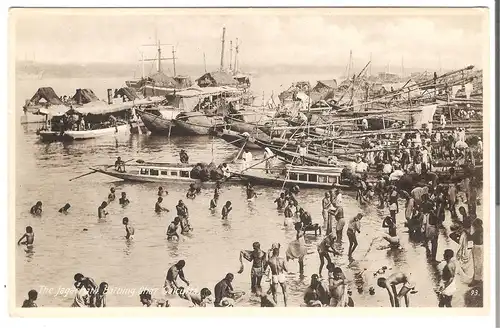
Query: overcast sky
x,y
266,37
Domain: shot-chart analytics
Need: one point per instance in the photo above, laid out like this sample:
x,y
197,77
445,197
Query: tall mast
x,y
142,64
370,64
402,67
173,60
159,56
222,50
349,66
230,54
236,56
205,62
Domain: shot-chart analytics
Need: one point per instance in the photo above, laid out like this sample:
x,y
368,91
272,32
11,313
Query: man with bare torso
x,y
258,259
390,284
338,289
278,268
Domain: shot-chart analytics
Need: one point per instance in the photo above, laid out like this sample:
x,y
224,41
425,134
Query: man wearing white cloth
x,y
447,285
247,159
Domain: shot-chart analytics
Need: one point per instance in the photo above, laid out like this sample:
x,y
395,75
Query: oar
x,y
239,152
94,171
81,176
265,159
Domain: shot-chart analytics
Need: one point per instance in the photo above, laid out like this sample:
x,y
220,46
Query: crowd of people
x,y
425,209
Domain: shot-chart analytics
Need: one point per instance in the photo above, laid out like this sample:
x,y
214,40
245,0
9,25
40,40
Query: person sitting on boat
x,y
302,150
120,165
268,154
182,210
225,171
361,165
364,124
332,160
158,207
191,193
184,157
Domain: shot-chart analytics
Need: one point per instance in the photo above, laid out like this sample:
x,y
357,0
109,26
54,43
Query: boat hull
x,y
238,140
156,124
92,134
134,177
280,181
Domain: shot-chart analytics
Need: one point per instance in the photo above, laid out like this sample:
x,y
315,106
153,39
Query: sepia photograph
x,y
263,157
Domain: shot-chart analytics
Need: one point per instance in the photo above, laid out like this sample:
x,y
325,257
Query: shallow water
x,y
62,248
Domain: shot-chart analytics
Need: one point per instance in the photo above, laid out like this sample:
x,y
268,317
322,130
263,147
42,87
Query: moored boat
x,y
156,123
302,176
195,123
154,172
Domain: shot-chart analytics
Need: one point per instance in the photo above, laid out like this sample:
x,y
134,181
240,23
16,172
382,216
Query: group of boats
x,y
314,131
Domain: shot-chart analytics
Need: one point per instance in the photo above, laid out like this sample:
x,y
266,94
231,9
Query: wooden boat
x,y
49,136
237,139
303,176
154,172
156,123
194,123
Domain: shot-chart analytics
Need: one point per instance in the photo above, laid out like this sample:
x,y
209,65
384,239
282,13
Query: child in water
x,y
124,200
111,196
101,212
100,300
64,209
36,209
29,236
213,202
226,209
30,302
128,229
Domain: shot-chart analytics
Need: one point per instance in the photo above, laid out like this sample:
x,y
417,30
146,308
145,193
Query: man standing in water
x,y
447,286
158,207
258,259
352,228
390,284
278,269
101,210
175,271
324,248
129,230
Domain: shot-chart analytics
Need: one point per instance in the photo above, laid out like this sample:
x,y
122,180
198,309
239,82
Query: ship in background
x,y
159,83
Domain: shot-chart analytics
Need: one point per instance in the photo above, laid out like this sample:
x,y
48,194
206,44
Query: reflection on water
x,y
77,242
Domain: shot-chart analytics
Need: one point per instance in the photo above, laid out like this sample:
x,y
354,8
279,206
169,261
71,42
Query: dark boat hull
x,y
157,125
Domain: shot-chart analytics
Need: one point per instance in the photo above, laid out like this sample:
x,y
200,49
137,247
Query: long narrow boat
x,y
154,172
303,176
237,139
